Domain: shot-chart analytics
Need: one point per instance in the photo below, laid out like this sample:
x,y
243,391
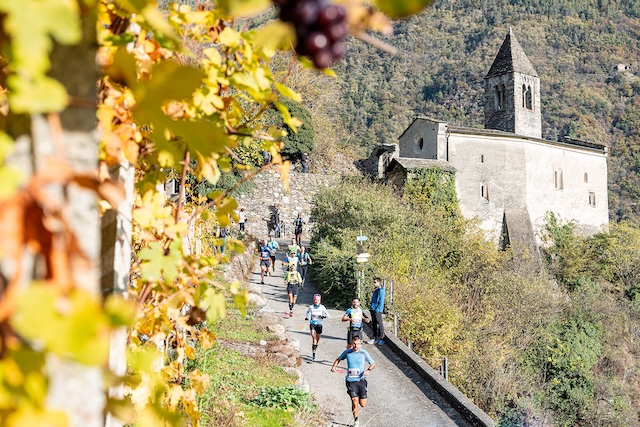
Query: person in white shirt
x,y
315,314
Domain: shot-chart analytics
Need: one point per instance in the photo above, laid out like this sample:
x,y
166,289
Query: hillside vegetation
x,y
551,348
445,52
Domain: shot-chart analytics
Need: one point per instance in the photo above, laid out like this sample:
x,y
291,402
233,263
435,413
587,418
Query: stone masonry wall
x,y
269,190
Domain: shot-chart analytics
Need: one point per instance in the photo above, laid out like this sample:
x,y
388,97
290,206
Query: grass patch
x,y
243,390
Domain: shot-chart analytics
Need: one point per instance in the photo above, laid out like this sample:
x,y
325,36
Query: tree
x,y
301,140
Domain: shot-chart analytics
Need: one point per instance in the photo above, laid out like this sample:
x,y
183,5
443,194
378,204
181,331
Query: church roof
x,y
511,58
410,163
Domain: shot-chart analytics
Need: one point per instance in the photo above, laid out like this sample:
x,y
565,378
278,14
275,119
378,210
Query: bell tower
x,y
512,92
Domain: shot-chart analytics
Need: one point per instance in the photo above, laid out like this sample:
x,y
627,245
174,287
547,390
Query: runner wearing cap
x,y
316,313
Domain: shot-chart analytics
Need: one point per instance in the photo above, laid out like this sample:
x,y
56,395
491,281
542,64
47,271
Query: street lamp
x,y
361,259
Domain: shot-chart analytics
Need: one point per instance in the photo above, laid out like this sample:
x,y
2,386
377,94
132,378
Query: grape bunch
x,y
320,28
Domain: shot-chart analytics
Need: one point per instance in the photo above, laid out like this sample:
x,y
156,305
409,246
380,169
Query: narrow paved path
x,y
398,397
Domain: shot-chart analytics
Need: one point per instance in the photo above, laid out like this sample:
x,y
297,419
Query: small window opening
x,y
499,97
484,191
557,179
592,198
421,143
586,177
481,158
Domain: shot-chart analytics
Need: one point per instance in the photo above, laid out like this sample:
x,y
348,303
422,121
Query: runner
x,y
315,314
264,260
293,280
304,260
273,246
298,223
290,260
356,375
354,316
293,247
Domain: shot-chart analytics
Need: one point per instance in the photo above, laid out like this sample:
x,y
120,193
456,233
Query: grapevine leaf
x,y
402,8
288,92
244,8
213,302
152,268
38,95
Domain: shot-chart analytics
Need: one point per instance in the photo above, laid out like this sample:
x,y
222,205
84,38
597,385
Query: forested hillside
x,y
445,52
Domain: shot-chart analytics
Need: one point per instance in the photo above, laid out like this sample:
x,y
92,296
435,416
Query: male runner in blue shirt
x,y
356,373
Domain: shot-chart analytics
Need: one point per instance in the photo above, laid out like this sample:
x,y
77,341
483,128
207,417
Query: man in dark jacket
x,y
376,308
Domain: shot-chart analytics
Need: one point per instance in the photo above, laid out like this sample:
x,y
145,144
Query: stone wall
x,y
269,190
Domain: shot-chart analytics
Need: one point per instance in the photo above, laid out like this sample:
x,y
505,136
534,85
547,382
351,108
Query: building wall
x,y
571,201
500,166
430,132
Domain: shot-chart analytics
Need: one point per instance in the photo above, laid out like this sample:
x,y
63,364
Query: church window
x,y
481,158
586,177
527,97
592,198
499,97
557,179
421,143
484,191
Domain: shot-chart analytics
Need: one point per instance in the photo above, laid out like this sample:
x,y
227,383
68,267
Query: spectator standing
x,y
376,308
275,221
304,158
304,260
242,218
297,224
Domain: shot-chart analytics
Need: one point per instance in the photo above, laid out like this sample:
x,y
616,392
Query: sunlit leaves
x,y
32,90
402,8
72,325
158,262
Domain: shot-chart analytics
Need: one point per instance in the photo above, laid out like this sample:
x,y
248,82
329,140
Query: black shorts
x,y
265,263
298,231
273,260
292,288
352,333
317,328
357,389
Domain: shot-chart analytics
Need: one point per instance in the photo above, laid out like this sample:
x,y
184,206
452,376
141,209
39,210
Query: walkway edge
x,y
459,401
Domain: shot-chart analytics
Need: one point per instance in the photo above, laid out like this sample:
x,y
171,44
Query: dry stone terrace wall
x,y
269,190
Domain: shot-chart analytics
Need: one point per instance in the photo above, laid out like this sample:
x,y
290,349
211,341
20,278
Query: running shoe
x,y
371,342
314,357
291,314
381,342
356,423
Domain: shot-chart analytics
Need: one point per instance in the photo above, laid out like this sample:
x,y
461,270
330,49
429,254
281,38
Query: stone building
x,y
507,176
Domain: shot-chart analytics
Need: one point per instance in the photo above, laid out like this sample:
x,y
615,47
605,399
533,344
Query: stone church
x,y
507,176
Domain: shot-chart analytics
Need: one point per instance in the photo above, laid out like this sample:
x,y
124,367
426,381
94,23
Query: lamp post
x,y
361,258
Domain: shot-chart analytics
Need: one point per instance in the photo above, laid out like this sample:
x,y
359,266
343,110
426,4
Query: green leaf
x,y
243,8
214,303
156,264
69,325
402,8
38,95
288,92
229,37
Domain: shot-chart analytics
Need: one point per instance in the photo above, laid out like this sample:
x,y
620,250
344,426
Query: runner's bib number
x,y
354,373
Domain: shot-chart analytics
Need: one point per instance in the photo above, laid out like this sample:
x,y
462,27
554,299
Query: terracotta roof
x,y
511,58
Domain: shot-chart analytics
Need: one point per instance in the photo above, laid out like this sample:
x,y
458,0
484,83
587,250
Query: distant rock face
x,y
269,190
